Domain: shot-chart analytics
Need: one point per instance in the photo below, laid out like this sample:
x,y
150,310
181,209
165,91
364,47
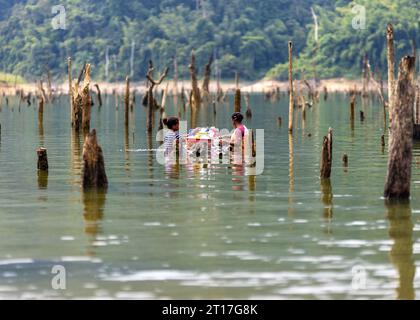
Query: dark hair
x,y
238,117
171,122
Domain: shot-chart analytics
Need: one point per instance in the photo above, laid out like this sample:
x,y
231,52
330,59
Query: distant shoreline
x,y
332,85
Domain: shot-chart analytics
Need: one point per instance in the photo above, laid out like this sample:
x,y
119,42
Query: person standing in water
x,y
172,135
237,138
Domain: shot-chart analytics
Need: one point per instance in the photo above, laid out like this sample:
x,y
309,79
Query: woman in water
x,y
237,138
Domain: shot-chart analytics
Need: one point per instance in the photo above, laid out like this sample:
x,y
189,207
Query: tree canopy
x,y
249,36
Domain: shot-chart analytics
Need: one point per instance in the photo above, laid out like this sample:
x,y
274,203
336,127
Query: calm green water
x,y
191,232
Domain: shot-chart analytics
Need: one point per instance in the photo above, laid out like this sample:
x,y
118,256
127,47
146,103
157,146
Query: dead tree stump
x,y
50,91
70,77
237,101
326,156
41,112
150,99
352,106
206,81
93,174
365,77
248,107
345,159
291,97
398,179
418,105
391,67
98,92
42,159
86,101
81,102
382,141
196,101
127,100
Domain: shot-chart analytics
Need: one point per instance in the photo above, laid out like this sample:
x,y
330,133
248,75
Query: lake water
x,y
194,232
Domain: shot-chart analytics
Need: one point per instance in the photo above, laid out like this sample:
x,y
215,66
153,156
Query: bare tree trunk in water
x,y
196,101
207,75
391,68
398,179
326,156
291,97
93,175
237,102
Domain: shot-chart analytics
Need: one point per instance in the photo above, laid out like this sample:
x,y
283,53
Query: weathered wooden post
x,y
93,174
42,164
418,105
81,101
127,100
50,92
196,101
352,106
41,111
237,101
248,107
365,78
86,101
391,69
291,97
70,76
183,101
132,100
345,159
28,99
326,156
325,93
206,81
398,179
175,81
219,91
41,89
98,92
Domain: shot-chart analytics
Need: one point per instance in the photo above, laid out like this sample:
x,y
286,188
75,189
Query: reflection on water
x,y
252,184
326,198
401,255
291,175
238,172
150,158
172,174
194,231
93,211
75,157
42,179
126,148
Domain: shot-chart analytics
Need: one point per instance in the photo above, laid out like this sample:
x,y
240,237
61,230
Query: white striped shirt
x,y
170,137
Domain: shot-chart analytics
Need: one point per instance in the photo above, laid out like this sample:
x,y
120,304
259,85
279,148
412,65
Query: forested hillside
x,y
245,35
